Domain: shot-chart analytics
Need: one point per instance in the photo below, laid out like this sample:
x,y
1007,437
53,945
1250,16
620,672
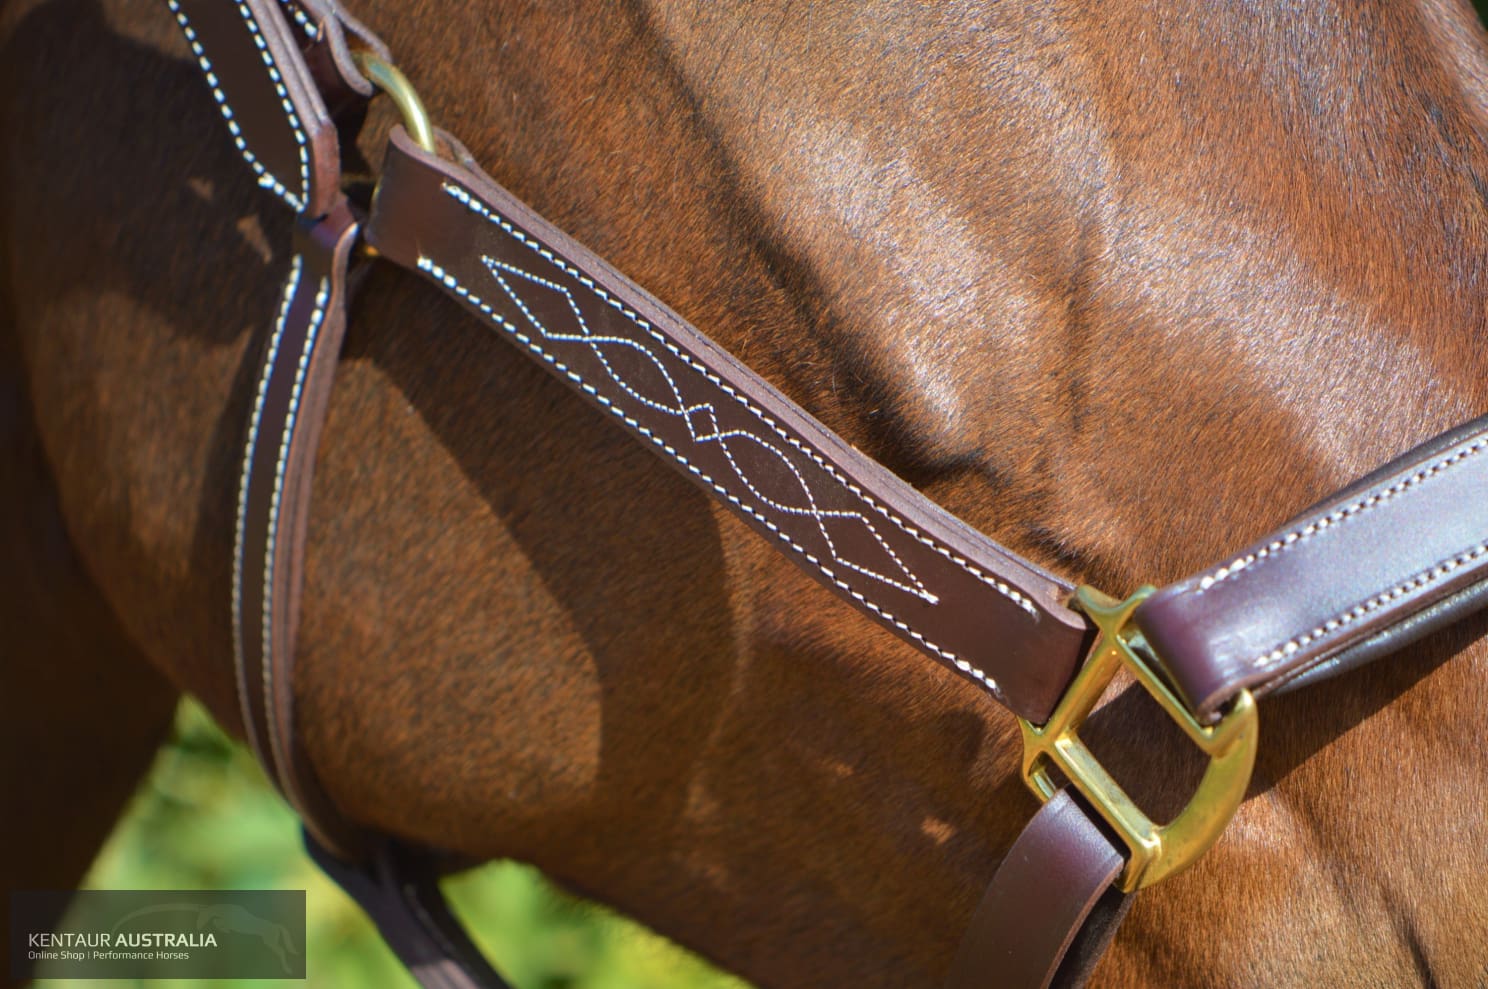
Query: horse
x,y
1122,285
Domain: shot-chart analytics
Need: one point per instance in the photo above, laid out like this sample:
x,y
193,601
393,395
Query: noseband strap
x,y
1375,567
1403,551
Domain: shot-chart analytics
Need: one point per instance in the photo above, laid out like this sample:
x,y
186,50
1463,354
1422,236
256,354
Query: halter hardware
x,y
1157,850
390,79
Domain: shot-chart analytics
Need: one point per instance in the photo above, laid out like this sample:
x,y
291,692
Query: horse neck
x,y
1111,291
969,239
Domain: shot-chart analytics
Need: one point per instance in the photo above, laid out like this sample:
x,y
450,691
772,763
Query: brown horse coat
x,y
1122,284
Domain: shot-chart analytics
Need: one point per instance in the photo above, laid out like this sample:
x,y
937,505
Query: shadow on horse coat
x,y
1122,285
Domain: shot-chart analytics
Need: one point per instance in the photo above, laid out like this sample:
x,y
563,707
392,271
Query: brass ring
x,y
386,77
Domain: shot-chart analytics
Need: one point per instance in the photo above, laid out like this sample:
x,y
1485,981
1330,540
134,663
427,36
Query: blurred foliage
x,y
206,818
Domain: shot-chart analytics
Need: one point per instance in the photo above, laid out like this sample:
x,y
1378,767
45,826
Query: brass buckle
x,y
388,78
1157,850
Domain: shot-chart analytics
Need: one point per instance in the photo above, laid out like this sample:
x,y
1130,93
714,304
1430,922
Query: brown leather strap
x,y
1374,567
267,74
398,887
847,521
254,56
268,97
1050,910
289,408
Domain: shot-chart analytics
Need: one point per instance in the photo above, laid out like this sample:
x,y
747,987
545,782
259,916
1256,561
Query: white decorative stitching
x,y
1416,583
714,434
1001,587
317,315
296,263
265,178
297,13
434,269
1280,545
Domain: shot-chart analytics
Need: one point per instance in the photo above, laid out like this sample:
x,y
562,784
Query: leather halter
x,y
1397,554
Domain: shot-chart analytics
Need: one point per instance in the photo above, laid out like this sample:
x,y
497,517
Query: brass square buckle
x,y
1157,850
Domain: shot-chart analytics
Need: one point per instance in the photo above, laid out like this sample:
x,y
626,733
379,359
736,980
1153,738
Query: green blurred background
x,y
206,818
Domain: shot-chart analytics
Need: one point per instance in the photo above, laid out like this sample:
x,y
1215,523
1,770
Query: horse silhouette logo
x,y
229,918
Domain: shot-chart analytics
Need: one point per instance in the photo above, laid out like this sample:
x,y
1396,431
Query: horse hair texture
x,y
1122,284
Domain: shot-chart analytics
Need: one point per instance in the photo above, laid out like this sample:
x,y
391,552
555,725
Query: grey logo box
x,y
158,934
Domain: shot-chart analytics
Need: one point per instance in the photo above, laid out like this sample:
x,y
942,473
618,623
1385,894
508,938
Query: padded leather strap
x,y
1051,909
1371,569
289,407
257,56
879,544
267,74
